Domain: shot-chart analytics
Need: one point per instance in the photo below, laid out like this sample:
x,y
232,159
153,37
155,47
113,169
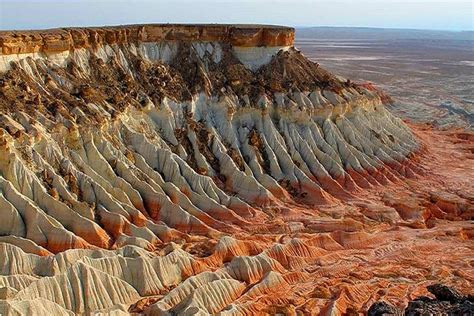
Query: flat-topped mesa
x,y
106,132
129,138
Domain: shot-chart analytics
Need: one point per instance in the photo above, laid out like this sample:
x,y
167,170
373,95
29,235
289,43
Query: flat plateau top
x,y
157,25
61,39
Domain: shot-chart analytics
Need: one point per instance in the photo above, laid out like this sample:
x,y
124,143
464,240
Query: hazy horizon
x,y
389,14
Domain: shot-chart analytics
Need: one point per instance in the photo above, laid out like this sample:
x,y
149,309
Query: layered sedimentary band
x,y
56,44
145,147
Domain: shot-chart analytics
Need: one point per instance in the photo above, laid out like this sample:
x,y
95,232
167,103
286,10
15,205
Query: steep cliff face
x,y
129,156
60,40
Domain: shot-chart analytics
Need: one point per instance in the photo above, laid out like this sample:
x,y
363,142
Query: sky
x,y
452,15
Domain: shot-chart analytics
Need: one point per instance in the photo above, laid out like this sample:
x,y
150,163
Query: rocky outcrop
x,y
179,169
447,301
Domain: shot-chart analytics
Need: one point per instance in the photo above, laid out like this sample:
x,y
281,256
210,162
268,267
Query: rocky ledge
x,y
183,169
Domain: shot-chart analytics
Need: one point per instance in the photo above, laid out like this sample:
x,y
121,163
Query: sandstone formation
x,y
213,169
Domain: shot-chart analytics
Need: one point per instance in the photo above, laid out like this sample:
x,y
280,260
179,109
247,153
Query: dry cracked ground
x,y
196,176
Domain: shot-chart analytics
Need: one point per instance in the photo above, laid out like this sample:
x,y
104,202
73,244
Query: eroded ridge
x,y
129,156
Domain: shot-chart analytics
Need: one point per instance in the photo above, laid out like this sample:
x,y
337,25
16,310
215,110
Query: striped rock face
x,y
177,169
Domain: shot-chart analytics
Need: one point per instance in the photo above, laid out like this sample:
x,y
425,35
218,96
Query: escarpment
x,y
183,169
